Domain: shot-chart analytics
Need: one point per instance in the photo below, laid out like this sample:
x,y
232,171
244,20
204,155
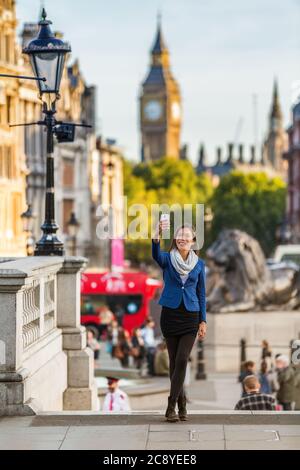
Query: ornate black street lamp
x,y
73,227
28,218
47,56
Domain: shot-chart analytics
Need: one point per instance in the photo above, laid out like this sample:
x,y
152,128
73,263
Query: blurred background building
x,y
292,156
160,106
16,102
88,171
270,160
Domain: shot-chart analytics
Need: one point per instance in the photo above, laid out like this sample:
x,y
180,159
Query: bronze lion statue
x,y
239,279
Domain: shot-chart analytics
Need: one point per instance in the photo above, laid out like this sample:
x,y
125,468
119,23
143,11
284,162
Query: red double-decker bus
x,y
127,294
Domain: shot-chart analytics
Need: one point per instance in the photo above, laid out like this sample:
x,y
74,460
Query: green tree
x,y
168,181
252,202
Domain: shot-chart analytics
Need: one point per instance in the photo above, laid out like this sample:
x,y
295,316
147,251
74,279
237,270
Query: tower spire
x,y
159,46
159,19
276,109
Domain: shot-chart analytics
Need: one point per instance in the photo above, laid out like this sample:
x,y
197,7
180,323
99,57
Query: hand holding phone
x,y
165,221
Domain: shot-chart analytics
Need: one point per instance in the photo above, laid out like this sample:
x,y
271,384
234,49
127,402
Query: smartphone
x,y
165,219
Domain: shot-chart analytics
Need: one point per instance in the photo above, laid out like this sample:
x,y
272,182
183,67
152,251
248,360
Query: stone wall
x,y
222,344
44,362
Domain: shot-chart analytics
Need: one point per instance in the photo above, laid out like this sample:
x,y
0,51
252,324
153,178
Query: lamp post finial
x,y
44,14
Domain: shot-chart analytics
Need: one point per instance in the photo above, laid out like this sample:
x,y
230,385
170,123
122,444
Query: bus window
x,y
130,304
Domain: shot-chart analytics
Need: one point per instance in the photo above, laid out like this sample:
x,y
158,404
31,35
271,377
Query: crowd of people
x,y
275,386
140,349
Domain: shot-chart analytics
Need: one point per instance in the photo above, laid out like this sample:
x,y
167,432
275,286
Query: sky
x,y
224,55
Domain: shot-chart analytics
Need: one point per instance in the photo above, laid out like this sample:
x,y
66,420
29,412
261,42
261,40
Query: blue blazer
x,y
192,291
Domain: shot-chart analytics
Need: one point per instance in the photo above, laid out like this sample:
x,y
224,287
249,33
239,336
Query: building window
x,y
16,211
68,205
68,173
7,48
1,163
7,168
8,109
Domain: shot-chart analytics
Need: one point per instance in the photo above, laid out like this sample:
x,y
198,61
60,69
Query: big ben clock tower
x,y
160,106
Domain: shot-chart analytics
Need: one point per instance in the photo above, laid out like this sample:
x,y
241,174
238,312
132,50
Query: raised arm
x,y
202,293
158,255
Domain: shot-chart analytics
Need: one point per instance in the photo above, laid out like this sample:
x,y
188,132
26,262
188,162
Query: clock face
x,y
176,111
153,110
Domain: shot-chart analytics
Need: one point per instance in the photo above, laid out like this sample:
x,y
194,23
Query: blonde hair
x,y
251,382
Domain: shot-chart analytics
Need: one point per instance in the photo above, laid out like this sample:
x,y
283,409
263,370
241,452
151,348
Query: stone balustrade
x,y
44,362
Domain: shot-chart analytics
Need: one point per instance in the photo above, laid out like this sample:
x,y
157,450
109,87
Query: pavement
x,y
149,431
217,392
212,424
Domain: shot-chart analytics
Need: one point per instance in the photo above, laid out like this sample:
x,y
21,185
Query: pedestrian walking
x,y
123,347
254,399
106,316
161,360
150,344
266,354
112,337
264,379
297,387
183,313
285,376
138,350
92,343
248,369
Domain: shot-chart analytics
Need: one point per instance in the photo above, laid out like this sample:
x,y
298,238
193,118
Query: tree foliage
x,y
252,202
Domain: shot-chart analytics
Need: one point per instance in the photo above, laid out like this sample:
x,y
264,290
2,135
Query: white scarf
x,y
182,266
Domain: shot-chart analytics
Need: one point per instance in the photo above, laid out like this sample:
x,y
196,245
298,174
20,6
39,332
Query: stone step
x,y
82,418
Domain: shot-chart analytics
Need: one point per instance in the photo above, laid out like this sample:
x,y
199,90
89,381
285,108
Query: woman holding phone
x,y
183,300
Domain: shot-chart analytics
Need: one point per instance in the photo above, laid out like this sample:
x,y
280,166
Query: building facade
x,y
270,160
72,160
34,141
108,207
276,143
13,93
160,106
292,157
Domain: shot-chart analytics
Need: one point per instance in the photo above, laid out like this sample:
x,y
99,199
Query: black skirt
x,y
178,321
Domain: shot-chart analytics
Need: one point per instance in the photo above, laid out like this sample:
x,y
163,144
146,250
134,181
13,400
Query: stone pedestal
x,y
32,360
225,331
44,362
81,392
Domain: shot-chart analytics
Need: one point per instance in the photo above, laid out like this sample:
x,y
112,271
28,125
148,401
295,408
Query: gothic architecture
x,y
270,160
292,157
277,140
160,106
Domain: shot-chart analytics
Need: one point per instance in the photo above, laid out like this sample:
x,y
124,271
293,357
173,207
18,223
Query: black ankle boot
x,y
171,413
182,411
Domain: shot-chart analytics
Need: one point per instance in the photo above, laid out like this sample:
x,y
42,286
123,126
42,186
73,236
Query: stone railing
x,y
44,362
